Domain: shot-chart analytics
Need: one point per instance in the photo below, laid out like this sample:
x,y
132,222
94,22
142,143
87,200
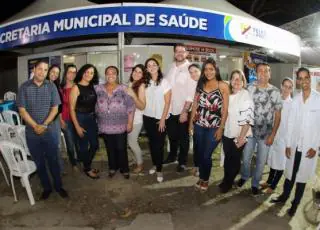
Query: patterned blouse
x,y
112,111
208,114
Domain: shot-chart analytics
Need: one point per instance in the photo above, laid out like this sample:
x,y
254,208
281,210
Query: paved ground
x,y
141,203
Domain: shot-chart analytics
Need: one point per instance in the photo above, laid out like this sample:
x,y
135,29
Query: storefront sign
x,y
145,18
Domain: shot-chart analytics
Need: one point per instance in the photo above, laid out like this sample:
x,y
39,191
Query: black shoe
x,y
255,191
224,189
169,160
241,182
181,168
278,200
292,211
112,173
126,175
63,193
45,195
222,184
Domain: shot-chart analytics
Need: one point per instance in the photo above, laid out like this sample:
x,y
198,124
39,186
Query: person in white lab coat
x,y
302,141
277,157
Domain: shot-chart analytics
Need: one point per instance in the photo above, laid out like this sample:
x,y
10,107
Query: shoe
x,y
111,173
265,185
181,168
278,200
255,191
159,177
138,169
195,171
169,160
63,193
152,170
224,189
90,176
45,194
204,186
268,191
241,182
198,184
126,175
222,184
292,211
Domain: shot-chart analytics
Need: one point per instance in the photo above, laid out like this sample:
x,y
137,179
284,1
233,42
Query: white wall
x,y
279,71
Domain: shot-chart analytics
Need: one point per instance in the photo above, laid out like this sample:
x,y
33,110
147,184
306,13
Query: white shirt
x,y
183,87
155,98
302,114
240,112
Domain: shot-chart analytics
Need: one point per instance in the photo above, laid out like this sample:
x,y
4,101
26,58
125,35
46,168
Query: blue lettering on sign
x,y
101,20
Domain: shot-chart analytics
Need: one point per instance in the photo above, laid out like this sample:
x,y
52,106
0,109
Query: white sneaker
x,y
159,177
152,170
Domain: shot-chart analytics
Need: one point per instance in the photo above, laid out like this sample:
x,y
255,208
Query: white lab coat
x,y
310,133
277,151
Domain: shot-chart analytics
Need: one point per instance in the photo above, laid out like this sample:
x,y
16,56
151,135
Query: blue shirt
x,y
38,101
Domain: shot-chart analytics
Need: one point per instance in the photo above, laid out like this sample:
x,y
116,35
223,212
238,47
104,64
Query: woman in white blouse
x,y
158,96
237,128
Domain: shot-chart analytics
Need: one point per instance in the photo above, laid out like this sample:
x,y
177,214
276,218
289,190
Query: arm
x,y
191,89
225,103
276,124
72,106
27,118
167,99
193,112
130,110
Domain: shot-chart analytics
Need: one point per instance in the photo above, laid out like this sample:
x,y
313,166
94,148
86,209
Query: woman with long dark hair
x,y
65,119
137,91
115,111
208,117
82,103
156,112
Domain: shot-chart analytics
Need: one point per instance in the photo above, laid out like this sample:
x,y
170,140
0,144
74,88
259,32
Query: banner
x,y
146,18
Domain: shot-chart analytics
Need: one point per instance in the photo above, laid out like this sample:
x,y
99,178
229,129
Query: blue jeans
x,y
205,145
45,148
88,145
261,160
70,137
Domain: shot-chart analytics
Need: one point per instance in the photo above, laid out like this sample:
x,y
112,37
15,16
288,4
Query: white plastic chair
x,y
1,118
11,117
20,131
19,166
10,96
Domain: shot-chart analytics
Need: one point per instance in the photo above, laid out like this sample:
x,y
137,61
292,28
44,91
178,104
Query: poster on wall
x,y
250,61
31,63
199,54
315,79
158,57
129,62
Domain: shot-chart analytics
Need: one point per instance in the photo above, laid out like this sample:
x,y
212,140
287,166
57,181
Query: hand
x,y
311,153
129,128
288,153
80,131
218,134
240,142
183,117
269,140
63,124
39,129
162,125
130,92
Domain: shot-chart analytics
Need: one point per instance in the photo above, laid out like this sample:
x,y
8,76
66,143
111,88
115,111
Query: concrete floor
x,y
142,203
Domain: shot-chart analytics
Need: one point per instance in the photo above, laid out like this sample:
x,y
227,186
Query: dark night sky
x,y
275,12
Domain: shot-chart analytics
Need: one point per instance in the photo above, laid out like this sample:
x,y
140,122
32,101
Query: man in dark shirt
x,y
38,102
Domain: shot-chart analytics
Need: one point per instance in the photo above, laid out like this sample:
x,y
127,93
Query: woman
x,y
276,157
65,119
195,73
208,117
137,92
82,103
237,128
158,96
115,111
54,75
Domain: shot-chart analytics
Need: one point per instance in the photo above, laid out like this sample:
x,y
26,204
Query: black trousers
x,y
274,178
232,161
116,145
288,184
179,138
156,140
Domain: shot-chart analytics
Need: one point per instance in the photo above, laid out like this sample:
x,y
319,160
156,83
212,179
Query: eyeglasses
x,y
304,79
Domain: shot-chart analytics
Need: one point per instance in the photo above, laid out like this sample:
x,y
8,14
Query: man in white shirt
x,y
183,89
302,141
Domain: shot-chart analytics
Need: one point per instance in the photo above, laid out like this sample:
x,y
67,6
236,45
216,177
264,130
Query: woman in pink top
x,y
65,120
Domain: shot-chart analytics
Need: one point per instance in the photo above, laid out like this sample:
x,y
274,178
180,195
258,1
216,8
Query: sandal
x,y
92,177
95,170
138,169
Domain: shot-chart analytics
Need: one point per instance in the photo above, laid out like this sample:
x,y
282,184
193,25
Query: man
x,y
302,141
267,114
38,102
183,89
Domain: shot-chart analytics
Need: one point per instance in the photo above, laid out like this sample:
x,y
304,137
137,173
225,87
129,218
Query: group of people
x,y
188,101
